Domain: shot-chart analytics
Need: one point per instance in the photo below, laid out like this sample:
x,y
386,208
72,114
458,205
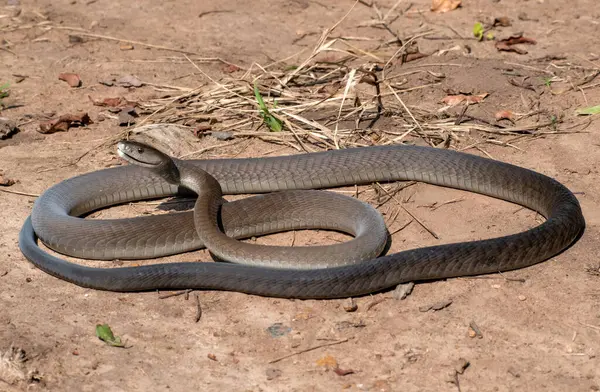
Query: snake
x,y
56,220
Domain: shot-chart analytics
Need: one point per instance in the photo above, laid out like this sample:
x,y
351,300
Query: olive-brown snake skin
x,y
53,221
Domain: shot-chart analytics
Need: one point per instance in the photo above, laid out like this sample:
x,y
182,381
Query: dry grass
x,y
330,105
348,92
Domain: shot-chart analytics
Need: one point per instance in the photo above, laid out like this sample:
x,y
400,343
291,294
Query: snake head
x,y
149,157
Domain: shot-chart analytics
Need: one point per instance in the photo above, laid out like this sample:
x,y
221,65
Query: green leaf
x,y
271,121
4,90
105,334
478,30
588,111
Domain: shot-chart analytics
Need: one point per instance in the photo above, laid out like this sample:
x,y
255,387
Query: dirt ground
x,y
540,326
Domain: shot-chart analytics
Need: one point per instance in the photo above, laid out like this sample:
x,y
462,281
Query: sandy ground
x,y
540,326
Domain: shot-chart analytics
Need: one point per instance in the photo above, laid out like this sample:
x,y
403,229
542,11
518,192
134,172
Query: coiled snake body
x,y
54,221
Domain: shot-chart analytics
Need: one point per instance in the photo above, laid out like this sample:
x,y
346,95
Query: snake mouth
x,y
122,151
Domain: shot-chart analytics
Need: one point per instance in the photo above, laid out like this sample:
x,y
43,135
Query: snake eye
x,y
140,150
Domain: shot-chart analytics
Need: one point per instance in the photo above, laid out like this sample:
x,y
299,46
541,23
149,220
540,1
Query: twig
x,y
198,309
404,226
410,213
175,294
421,133
309,349
375,303
109,38
19,193
457,200
590,326
205,149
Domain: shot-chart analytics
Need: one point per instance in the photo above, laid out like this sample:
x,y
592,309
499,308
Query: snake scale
x,y
55,220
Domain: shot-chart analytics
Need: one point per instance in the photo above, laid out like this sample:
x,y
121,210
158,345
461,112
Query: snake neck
x,y
194,179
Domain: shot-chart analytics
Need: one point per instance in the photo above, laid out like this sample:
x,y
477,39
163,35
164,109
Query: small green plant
x,y
272,122
4,92
104,333
548,82
554,123
588,111
478,31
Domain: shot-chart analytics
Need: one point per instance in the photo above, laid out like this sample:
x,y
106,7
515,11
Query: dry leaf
x,y
414,56
504,115
503,21
230,68
328,362
444,5
6,181
453,100
72,79
343,372
113,102
507,44
130,81
64,122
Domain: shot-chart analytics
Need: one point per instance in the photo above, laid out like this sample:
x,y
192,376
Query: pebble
x,y
403,290
350,305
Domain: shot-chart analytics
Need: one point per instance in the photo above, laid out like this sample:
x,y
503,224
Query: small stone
x,y
222,135
212,357
278,330
273,373
460,365
125,119
350,305
296,341
403,290
130,81
522,297
474,330
75,39
382,386
7,128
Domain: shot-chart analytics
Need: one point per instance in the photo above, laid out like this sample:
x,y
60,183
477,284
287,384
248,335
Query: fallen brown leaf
x,y
343,372
64,122
436,306
328,362
503,21
113,102
414,56
504,115
6,181
230,68
507,44
444,5
453,100
72,79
